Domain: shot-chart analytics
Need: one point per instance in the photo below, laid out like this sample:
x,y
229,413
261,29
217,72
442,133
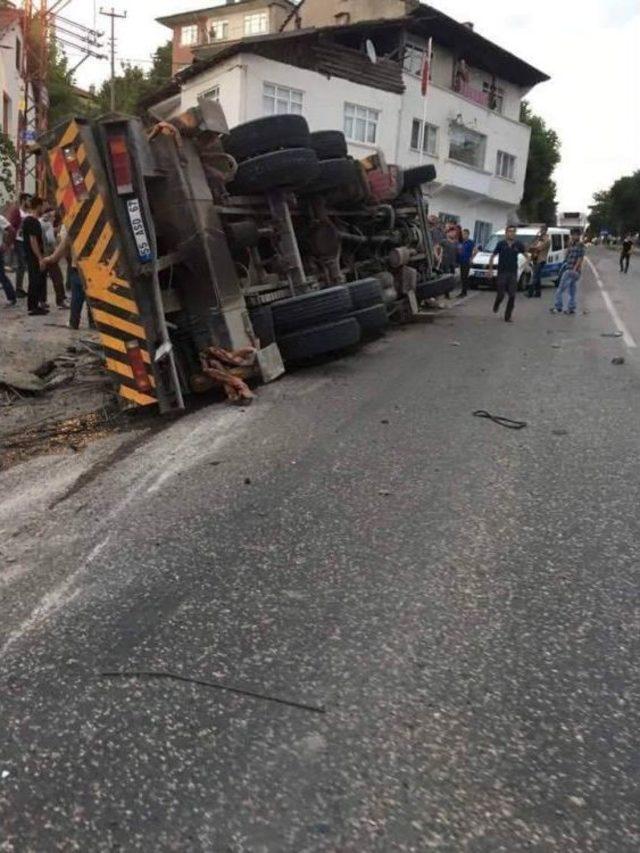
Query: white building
x,y
473,133
11,48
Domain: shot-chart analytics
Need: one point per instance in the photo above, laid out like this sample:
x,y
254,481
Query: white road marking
x,y
627,337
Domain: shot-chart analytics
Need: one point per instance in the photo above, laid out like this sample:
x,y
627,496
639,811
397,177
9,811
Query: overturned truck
x,y
213,257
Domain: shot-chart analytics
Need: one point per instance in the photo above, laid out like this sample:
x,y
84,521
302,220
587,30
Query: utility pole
x,y
113,15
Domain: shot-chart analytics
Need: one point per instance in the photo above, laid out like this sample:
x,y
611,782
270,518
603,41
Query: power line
x,y
112,44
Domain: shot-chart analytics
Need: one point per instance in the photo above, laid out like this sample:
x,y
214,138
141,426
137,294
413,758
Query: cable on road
x,y
498,419
318,709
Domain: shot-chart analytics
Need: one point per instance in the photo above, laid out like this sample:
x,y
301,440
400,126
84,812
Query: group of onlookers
x,y
453,248
34,239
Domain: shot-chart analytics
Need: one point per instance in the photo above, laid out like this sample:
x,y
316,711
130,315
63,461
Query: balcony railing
x,y
471,93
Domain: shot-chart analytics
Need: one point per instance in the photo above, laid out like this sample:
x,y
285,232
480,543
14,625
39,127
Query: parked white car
x,y
479,272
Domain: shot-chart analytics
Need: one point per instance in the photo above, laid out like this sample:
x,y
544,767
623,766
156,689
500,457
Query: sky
x,y
589,48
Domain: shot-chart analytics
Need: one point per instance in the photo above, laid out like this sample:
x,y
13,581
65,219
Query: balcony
x,y
471,93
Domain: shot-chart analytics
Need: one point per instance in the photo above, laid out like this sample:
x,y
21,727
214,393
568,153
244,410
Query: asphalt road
x,y
456,604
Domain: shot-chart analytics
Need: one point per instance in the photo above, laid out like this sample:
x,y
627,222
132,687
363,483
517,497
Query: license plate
x,y
139,231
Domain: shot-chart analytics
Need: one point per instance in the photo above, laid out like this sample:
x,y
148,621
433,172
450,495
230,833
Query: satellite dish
x,y
371,51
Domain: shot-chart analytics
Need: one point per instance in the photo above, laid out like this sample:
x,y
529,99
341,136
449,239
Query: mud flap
x,y
270,363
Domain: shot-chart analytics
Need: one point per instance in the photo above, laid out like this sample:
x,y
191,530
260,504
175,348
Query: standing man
x,y
77,288
507,252
539,255
625,254
466,253
450,252
570,274
34,254
437,238
16,218
52,271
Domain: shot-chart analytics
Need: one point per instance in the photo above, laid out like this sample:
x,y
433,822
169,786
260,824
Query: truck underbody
x,y
216,257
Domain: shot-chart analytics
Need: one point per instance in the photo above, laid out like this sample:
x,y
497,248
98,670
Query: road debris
x,y
500,420
617,360
560,432
51,435
216,685
611,334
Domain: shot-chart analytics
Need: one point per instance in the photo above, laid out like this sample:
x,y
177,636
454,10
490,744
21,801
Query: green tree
x,y
134,83
63,99
539,202
618,208
8,161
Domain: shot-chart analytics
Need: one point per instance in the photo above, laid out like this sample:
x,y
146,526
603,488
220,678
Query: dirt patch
x,y
52,436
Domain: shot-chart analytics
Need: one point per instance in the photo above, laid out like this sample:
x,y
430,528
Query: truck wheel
x,y
372,320
310,309
329,144
270,133
417,176
365,292
293,167
332,175
319,340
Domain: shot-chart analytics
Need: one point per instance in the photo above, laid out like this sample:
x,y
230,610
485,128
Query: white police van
x,y
479,273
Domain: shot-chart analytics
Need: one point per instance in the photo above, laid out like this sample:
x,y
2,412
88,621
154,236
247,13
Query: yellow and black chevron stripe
x,y
95,249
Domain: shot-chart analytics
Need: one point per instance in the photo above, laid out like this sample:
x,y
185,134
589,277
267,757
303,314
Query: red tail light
x,y
140,375
121,163
73,168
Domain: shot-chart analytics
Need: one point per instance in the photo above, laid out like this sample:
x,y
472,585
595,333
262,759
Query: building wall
x,y
443,108
473,194
235,19
12,86
230,78
321,13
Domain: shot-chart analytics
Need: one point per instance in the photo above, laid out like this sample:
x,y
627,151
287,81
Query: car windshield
x,y
493,241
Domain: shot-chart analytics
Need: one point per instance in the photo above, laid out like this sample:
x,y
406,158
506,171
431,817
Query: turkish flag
x,y
426,69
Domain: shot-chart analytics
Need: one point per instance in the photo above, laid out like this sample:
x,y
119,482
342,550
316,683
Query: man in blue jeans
x,y
570,273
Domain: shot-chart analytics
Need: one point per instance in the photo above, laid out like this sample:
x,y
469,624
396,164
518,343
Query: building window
x,y
482,231
467,146
18,54
360,123
280,99
505,165
212,94
189,34
495,96
218,30
427,141
448,217
255,24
